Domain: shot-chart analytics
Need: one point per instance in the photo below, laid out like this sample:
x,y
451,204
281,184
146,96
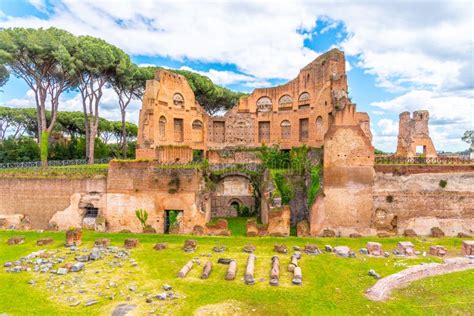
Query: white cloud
x,y
388,127
450,114
222,77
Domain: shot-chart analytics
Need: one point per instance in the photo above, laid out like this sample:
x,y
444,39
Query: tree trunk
x,y
91,143
44,141
124,135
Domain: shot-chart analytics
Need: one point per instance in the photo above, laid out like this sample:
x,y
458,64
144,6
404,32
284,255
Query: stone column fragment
x,y
187,267
206,270
231,271
275,271
249,279
297,276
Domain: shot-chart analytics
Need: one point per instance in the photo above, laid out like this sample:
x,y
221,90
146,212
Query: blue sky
x,y
400,57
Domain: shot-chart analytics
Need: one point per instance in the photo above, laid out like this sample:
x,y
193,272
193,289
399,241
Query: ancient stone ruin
x,y
414,136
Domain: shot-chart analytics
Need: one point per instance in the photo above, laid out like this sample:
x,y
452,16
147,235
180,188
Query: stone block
x,y
468,247
374,248
409,233
102,242
17,240
130,243
328,233
44,241
342,251
437,232
438,251
73,237
302,229
406,248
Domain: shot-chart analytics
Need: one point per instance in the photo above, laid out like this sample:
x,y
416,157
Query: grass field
x,y
331,285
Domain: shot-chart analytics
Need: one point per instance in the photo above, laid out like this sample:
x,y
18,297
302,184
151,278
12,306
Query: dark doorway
x,y
172,219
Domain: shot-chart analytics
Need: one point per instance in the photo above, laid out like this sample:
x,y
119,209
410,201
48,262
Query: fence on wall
x,y
51,163
393,160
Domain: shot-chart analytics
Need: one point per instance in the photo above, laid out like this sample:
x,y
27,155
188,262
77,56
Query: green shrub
x,y
315,184
283,187
443,183
142,216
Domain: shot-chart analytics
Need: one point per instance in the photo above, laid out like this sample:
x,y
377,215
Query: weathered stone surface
x,y
468,247
249,248
206,270
17,240
184,270
342,251
374,248
374,274
44,241
302,229
436,232
73,237
249,270
328,233
275,271
280,248
438,251
76,267
102,242
405,248
123,309
409,233
218,249
224,260
414,132
130,243
464,235
231,271
311,249
160,246
293,263
297,276
382,289
190,245
355,235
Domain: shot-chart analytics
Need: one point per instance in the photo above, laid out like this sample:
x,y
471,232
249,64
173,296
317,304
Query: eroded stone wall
x,y
40,199
419,202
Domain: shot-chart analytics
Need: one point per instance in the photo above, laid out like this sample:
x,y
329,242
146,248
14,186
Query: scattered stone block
x,y
160,246
464,235
76,267
311,249
363,251
218,249
95,254
281,249
275,271
303,229
328,233
383,235
102,242
224,260
437,232
293,264
198,230
328,248
405,248
190,245
17,240
167,287
44,241
84,258
184,270
409,233
297,276
231,271
355,235
206,270
62,271
438,251
374,274
386,254
249,270
73,237
374,248
468,247
297,254
130,243
249,248
342,251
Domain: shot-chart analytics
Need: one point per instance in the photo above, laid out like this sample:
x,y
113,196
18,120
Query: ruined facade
x,y
414,136
356,196
289,115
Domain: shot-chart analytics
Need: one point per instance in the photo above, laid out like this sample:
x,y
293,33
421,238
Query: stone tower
x,y
413,134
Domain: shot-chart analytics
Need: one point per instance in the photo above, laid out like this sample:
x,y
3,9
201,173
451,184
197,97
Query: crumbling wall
x,y
40,199
419,202
414,132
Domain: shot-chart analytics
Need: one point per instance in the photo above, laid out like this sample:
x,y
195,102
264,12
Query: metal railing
x,y
393,160
51,163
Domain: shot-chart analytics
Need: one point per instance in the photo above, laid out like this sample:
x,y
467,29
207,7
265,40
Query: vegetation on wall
x,y
282,186
443,183
315,184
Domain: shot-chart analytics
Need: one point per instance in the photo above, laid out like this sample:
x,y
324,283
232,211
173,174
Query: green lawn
x,y
331,285
74,171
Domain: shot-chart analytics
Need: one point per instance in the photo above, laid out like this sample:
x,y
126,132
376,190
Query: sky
x,y
400,56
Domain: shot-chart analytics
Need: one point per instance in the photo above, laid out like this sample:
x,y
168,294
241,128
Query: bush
x,y
315,184
443,183
283,187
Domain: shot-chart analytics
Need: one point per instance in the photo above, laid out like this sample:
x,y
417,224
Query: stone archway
x,y
234,193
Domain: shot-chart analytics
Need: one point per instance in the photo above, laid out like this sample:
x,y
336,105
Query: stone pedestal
x,y
438,251
468,247
73,237
130,243
374,248
406,248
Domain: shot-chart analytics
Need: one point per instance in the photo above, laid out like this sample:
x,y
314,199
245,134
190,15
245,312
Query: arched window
x,y
319,125
197,131
162,127
304,97
264,104
178,100
285,101
285,129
